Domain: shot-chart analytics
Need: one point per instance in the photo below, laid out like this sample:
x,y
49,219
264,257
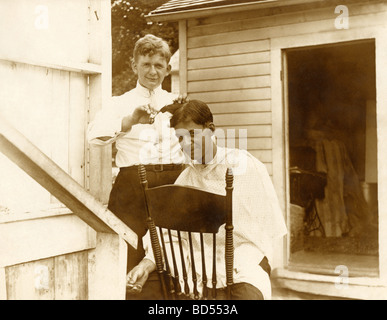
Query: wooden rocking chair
x,y
182,210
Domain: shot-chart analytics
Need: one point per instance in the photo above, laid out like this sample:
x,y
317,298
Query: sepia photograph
x,y
210,151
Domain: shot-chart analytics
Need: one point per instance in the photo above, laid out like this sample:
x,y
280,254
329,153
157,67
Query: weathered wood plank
x,y
43,31
3,284
71,276
238,119
269,168
232,84
227,49
251,5
257,69
15,146
98,159
31,281
367,288
381,108
227,61
62,277
60,118
253,131
76,127
254,20
98,164
83,68
255,14
183,56
107,268
41,238
259,144
240,106
283,30
265,156
232,95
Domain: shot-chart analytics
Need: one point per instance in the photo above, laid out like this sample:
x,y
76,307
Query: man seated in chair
x,y
257,217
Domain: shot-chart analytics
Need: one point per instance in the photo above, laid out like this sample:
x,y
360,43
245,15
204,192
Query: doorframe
x,y
280,124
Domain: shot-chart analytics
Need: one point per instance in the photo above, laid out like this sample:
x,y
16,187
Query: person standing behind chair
x,y
257,217
141,136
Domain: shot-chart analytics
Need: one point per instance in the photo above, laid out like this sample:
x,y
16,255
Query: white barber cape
x,y
257,217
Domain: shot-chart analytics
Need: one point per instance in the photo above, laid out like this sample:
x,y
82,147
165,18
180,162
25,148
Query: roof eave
x,y
202,12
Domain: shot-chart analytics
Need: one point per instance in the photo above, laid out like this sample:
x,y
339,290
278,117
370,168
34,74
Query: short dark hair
x,y
151,45
194,110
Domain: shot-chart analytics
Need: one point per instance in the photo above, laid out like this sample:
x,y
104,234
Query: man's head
x,y
193,123
151,56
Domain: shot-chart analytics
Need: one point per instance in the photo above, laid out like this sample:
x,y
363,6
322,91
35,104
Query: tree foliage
x,y
128,25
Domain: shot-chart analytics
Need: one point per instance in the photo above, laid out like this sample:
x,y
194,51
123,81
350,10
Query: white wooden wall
x,y
234,62
55,74
50,72
228,61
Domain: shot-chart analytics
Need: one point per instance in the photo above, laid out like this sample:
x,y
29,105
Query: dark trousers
x,y
239,291
128,204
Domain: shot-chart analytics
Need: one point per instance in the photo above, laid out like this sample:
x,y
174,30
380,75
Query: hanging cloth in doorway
x,y
343,211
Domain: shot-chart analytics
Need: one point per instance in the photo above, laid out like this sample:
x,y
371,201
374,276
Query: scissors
x,y
168,108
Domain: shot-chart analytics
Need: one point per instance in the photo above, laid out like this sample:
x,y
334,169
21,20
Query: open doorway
x,y
332,158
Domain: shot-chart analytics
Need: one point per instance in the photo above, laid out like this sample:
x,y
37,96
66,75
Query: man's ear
x,y
134,66
211,126
169,69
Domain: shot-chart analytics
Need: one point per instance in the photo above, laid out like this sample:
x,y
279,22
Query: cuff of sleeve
x,y
117,126
112,130
148,248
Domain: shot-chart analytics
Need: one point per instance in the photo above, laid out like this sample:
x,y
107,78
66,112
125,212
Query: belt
x,y
264,264
156,167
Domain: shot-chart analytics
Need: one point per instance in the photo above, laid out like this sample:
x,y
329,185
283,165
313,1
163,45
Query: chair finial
x,y
142,173
229,178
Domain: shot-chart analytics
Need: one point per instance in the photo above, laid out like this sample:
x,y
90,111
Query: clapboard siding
x,y
249,14
375,19
233,95
250,20
242,118
264,156
246,70
224,56
259,144
228,49
240,106
253,131
229,84
228,60
234,79
235,73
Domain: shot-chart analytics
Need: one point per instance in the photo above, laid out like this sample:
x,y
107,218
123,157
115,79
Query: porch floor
x,y
326,263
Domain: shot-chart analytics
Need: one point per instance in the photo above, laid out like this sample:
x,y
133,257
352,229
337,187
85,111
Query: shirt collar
x,y
145,91
219,158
